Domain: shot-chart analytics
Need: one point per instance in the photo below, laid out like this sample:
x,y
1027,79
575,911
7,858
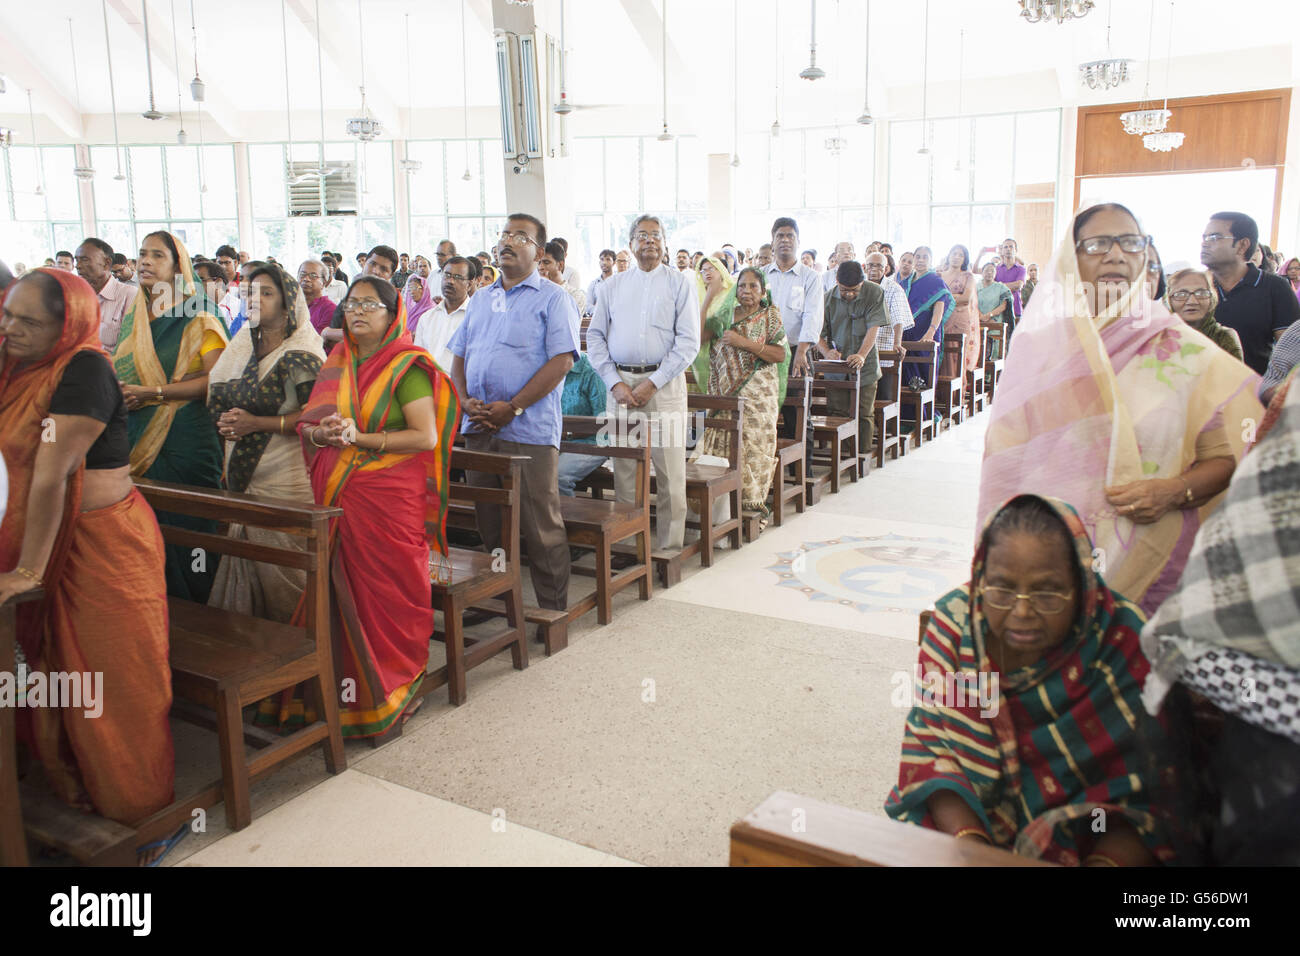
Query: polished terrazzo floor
x,y
644,741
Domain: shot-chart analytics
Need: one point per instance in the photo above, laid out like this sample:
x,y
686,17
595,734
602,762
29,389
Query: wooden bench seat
x,y
950,390
791,453
919,404
995,356
837,434
830,835
888,410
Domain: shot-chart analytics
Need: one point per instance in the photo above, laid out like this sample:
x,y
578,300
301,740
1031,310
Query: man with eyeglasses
x,y
645,332
380,263
1258,307
843,253
312,279
511,353
440,323
796,291
900,314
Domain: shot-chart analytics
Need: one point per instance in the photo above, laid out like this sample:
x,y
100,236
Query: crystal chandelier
x,y
1162,142
1036,11
1144,120
411,165
6,137
836,144
364,127
1104,74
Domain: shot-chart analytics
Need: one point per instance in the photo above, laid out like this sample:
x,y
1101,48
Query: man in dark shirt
x,y
1258,307
380,263
853,316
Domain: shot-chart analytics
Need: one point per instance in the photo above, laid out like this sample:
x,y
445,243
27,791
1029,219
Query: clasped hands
x,y
136,397
236,423
1145,502
334,430
624,394
491,416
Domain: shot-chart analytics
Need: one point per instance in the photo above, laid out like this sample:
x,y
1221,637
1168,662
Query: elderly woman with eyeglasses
x,y
1113,404
1191,297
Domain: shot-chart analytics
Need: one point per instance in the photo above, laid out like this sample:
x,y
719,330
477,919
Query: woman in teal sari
x,y
995,306
931,304
170,339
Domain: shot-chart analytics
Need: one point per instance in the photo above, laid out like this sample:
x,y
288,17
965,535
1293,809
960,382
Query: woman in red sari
x,y
75,523
377,432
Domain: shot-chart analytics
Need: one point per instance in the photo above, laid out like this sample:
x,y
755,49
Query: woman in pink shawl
x,y
419,300
1114,405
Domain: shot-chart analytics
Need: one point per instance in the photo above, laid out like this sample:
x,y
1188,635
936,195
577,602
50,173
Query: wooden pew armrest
x,y
234,506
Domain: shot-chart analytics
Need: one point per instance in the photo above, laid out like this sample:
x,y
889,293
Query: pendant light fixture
x,y
151,113
735,86
865,118
925,84
776,72
563,107
1165,140
83,173
665,136
812,71
112,95
464,87
1044,11
409,165
197,92
363,126
1107,73
36,148
181,137
1144,119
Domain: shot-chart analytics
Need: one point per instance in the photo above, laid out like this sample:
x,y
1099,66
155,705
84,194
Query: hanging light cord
x,y
1151,31
194,36
148,54
464,82
76,83
320,82
36,148
176,58
1170,55
925,73
288,111
663,56
361,43
112,95
735,84
866,81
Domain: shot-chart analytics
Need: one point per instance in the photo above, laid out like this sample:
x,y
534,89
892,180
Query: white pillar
x,y
401,197
244,199
86,192
721,213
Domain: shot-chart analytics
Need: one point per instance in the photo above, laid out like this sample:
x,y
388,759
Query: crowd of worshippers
x,y
1134,587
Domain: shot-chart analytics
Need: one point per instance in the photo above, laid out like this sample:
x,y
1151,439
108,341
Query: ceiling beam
x,y
24,75
216,108
342,55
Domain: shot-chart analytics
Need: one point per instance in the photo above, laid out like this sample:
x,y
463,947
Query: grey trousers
x,y
541,529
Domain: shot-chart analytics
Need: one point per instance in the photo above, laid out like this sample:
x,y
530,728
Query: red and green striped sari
x,y
1064,739
394,514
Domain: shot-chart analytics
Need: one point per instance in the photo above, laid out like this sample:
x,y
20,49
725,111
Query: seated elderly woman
x,y
1048,745
1119,408
1225,647
1192,298
994,301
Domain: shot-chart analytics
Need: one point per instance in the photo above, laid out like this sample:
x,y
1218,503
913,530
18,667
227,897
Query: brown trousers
x,y
837,403
540,526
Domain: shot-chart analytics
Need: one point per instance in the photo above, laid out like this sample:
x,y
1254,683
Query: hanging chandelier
x,y
364,127
1162,142
1038,11
836,144
6,137
1104,74
1144,119
83,173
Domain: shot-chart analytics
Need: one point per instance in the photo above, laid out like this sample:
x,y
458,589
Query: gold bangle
x,y
29,574
1100,858
312,435
972,831
158,393
383,444
1188,497
281,424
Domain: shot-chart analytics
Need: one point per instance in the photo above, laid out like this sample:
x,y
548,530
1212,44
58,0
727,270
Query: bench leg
x,y
234,769
646,585
455,641
706,530
778,486
515,618
327,705
604,571
555,637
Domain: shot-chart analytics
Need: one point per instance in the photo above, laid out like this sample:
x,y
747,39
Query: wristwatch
x,y
518,411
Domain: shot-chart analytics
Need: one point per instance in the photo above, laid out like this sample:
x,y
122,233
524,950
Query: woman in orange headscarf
x,y
77,525
377,431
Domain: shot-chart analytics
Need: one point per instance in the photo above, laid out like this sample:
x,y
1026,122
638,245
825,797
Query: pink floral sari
x,y
1085,403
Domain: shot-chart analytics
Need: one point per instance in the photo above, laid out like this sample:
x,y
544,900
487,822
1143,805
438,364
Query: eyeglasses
x,y
515,239
1044,602
1182,294
452,275
647,237
365,306
1214,237
1100,245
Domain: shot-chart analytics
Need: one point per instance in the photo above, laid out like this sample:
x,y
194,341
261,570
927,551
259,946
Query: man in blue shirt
x,y
518,341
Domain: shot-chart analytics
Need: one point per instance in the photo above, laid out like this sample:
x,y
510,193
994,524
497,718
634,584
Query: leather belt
x,y
639,369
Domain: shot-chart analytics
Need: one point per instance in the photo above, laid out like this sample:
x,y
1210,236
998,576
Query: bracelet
x,y
29,575
158,393
312,435
382,445
1100,859
281,424
1188,497
972,831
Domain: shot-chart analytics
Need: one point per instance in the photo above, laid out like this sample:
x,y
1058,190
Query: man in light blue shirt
x,y
518,341
643,335
796,291
593,290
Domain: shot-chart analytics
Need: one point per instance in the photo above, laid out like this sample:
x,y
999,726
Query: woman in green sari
x,y
751,360
170,339
1192,298
717,292
995,301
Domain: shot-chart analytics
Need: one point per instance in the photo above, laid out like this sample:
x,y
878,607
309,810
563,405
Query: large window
x,y
821,176
985,178
296,216
187,190
41,209
446,205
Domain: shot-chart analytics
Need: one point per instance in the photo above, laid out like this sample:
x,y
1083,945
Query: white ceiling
x,y
614,59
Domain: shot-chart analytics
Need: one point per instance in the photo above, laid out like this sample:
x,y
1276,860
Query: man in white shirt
x,y
900,313
645,332
569,275
606,270
796,291
843,253
683,260
94,263
439,324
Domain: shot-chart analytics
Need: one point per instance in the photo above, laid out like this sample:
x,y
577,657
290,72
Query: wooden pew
x,y
599,525
839,434
950,390
814,483
223,661
888,410
995,356
787,829
918,404
791,453
478,576
976,396
705,484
